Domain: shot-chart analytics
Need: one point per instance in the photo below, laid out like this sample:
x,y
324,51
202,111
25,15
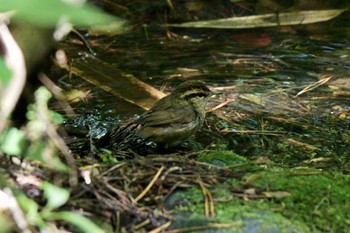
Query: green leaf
x,y
56,164
84,224
107,157
5,74
56,117
13,142
106,151
42,95
5,223
49,13
31,116
36,151
30,208
55,195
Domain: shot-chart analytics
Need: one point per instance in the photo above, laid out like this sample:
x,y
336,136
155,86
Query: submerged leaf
x,y
253,99
267,20
125,86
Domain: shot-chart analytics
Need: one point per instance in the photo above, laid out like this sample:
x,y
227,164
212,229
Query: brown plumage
x,y
171,120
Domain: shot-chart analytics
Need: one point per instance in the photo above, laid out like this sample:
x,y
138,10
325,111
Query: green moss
x,y
222,158
316,201
245,215
321,200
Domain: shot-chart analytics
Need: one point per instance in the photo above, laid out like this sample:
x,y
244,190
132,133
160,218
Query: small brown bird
x,y
171,120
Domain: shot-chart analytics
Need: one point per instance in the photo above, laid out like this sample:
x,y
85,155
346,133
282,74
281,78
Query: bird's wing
x,y
167,112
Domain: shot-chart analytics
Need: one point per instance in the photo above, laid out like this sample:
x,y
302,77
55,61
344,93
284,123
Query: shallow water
x,y
265,69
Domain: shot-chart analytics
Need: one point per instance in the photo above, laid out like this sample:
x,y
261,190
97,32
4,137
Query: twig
x,y
206,205
117,221
139,197
161,228
14,60
208,201
258,132
314,85
229,100
142,224
201,228
57,92
212,206
84,41
112,169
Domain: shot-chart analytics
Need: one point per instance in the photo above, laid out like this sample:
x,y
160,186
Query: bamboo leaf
x,y
119,84
267,20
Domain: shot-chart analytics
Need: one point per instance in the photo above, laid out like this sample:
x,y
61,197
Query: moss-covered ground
x,y
274,199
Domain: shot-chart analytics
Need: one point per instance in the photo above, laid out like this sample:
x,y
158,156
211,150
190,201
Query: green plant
x,y
38,140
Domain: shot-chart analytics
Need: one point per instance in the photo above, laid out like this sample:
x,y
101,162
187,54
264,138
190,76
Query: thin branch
x,y
315,85
14,60
140,196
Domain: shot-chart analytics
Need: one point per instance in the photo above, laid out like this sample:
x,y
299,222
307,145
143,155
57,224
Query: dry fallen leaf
x,y
277,194
266,20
